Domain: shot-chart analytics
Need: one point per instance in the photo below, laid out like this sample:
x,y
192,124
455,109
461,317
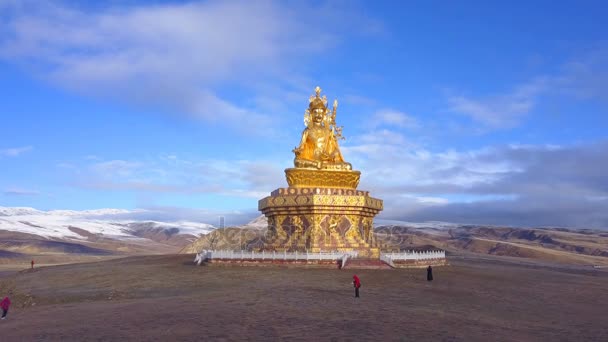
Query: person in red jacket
x,y
6,303
357,285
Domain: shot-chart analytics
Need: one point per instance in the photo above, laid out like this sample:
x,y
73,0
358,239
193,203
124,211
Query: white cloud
x,y
15,151
174,57
394,118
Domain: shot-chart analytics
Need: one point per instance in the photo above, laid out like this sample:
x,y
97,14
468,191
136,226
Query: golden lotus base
x,y
321,219
312,178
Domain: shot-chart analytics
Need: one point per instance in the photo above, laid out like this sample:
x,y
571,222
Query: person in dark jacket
x,y
5,304
357,285
429,273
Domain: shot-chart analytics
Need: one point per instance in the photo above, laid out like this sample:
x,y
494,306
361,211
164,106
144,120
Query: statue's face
x,y
317,114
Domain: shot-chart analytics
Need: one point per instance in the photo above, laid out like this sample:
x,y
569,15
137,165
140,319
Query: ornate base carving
x,y
320,219
312,178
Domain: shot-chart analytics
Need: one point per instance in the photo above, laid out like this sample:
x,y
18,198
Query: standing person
x,y
6,303
357,285
32,263
429,273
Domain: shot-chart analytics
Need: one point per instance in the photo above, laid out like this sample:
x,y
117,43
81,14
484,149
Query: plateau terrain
x,y
167,297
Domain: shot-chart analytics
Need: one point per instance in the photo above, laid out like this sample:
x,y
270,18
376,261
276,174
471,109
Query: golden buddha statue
x,y
319,144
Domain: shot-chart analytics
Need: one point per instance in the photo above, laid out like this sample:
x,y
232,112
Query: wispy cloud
x,y
499,111
15,151
173,174
174,56
20,192
170,214
120,168
358,100
586,76
582,77
394,118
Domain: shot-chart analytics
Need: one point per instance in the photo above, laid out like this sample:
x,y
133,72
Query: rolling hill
x,y
27,232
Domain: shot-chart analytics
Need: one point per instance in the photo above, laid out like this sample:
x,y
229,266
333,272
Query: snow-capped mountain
x,y
15,211
96,212
28,231
260,222
61,223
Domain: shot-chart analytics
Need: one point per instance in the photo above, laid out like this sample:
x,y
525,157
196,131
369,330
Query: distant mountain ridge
x,y
14,211
27,230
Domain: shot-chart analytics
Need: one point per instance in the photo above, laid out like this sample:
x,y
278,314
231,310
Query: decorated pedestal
x,y
321,219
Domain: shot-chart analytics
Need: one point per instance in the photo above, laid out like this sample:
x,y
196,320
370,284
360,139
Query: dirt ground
x,y
162,298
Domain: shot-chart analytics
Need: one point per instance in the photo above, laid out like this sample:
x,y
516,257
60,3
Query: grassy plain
x,y
159,298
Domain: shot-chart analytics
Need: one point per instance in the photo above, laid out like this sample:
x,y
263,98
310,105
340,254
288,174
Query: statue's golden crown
x,y
316,101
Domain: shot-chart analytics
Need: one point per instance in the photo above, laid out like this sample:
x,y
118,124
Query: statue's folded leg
x,y
307,163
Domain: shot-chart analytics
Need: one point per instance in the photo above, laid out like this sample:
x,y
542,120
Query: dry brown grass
x,y
167,298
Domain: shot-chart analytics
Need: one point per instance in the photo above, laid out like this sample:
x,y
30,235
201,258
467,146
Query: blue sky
x,y
475,112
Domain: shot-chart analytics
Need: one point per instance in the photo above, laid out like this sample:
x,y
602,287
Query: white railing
x,y
344,260
412,255
387,260
265,255
200,257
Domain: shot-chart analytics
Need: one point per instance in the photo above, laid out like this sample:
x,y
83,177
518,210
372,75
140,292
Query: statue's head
x,y
317,106
317,110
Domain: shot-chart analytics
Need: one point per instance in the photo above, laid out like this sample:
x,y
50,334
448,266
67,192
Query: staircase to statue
x,y
366,264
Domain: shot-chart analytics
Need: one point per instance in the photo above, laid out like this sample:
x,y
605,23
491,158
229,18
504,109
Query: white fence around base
x,y
344,260
263,255
411,255
387,260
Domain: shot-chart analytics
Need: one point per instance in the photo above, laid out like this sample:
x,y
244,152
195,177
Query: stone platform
x,y
366,264
330,264
420,263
